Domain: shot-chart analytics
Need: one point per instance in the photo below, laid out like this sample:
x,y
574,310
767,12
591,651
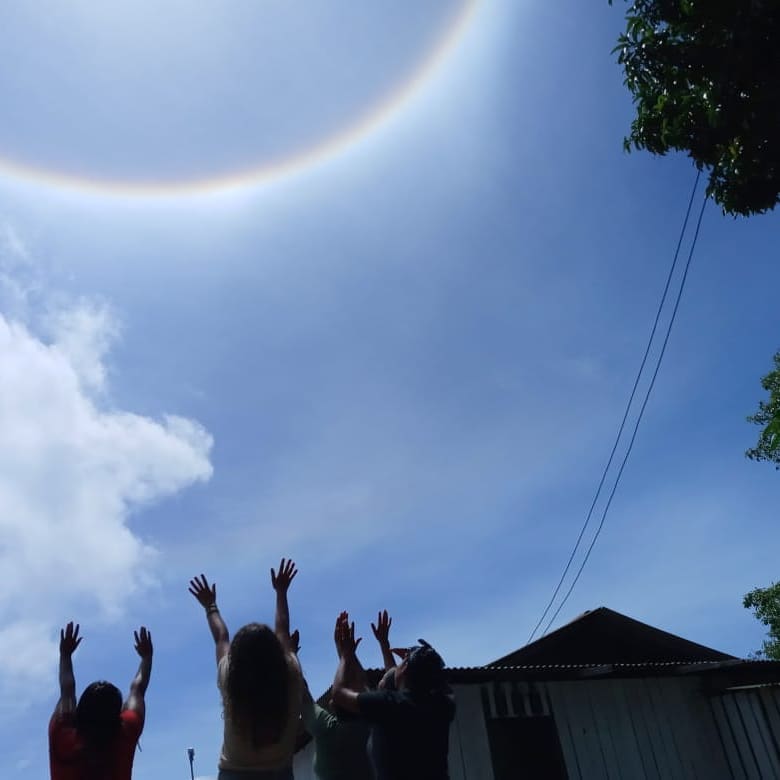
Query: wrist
x,y
212,608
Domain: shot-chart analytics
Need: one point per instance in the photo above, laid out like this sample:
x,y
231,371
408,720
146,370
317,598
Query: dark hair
x,y
98,723
425,670
257,685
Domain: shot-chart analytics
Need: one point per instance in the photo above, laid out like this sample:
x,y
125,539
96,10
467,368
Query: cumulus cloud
x,y
72,471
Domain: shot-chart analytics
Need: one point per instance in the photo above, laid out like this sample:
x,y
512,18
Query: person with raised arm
x,y
95,739
260,680
410,725
340,737
382,635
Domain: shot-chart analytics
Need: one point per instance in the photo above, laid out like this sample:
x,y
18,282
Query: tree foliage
x,y
768,415
705,79
765,603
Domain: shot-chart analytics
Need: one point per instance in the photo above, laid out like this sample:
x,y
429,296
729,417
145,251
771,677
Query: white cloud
x,y
18,278
84,334
34,664
72,470
11,243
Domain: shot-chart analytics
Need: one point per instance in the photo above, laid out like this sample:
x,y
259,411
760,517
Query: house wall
x,y
643,728
302,763
637,729
749,726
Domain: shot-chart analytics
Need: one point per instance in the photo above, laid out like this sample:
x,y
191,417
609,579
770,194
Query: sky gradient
x,y
402,365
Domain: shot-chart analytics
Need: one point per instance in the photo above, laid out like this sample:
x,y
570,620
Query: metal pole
x,y
191,756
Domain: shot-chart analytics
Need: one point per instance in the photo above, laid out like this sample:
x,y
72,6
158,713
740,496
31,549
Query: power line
x,y
625,414
638,420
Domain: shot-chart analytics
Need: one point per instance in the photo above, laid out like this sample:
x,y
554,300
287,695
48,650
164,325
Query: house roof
x,y
603,636
716,674
736,671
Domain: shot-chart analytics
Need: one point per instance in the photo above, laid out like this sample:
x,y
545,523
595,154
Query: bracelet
x,y
211,608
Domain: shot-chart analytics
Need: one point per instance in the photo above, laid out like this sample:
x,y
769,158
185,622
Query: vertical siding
x,y
303,768
748,723
472,756
650,729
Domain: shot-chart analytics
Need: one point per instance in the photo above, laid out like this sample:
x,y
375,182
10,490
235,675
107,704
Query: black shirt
x,y
410,738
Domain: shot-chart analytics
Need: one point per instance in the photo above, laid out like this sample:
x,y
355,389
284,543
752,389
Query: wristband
x,y
211,608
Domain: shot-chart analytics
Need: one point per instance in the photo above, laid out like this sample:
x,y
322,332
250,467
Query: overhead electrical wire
x,y
627,411
638,420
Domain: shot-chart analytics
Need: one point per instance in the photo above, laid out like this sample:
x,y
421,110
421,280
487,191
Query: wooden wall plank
x,y
689,723
744,747
726,731
655,719
669,727
770,700
601,705
701,730
303,767
556,696
646,728
636,759
584,731
472,734
757,731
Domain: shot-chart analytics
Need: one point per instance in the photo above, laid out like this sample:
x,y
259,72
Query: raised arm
x,y
136,700
281,584
69,641
207,598
382,633
345,689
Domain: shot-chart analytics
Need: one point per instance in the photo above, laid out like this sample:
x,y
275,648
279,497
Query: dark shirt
x,y
410,735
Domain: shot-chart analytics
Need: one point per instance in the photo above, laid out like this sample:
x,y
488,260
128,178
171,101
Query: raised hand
x,y
207,596
287,571
382,628
69,639
336,631
143,643
345,636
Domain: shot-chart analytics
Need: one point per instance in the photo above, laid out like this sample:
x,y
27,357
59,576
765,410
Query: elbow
x,y
345,699
337,694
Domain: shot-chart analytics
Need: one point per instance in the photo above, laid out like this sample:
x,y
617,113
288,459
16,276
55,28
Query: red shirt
x,y
66,748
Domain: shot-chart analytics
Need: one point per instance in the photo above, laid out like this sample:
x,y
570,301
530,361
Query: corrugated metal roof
x,y
755,670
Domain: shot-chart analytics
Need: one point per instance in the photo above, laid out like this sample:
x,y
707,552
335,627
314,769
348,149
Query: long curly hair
x,y
98,723
257,686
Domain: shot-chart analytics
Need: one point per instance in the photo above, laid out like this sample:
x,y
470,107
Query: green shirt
x,y
339,744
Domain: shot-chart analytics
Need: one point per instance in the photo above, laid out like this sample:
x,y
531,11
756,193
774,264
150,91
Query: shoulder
x,y
62,724
132,723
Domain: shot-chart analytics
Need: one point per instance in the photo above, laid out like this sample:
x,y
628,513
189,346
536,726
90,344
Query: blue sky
x,y
402,365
